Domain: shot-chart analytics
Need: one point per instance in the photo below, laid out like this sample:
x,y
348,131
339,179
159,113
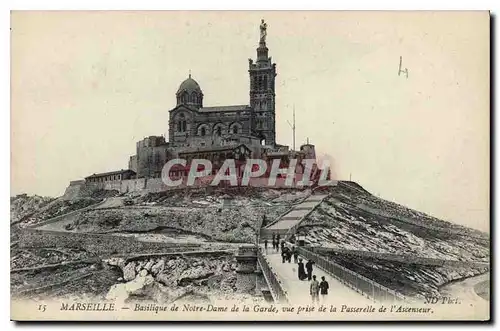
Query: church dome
x,y
189,85
189,93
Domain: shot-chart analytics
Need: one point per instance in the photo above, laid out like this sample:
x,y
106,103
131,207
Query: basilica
x,y
216,133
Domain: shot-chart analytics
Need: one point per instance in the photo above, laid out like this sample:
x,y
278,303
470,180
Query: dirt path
x,y
473,289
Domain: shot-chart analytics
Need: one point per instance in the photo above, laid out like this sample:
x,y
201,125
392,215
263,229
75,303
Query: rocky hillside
x,y
29,210
411,280
76,275
170,279
214,216
23,206
352,219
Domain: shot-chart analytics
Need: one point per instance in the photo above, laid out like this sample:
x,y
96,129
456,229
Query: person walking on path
x,y
314,290
283,255
265,245
309,268
302,272
323,287
295,256
282,245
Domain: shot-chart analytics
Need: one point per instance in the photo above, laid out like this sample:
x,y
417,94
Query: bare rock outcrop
x,y
121,292
116,261
158,267
192,274
129,271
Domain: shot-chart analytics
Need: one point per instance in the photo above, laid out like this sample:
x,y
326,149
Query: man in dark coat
x,y
309,268
323,288
283,255
302,272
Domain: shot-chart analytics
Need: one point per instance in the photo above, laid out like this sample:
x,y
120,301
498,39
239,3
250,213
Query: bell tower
x,y
262,91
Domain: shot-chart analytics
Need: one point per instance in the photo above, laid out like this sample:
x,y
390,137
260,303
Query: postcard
x,y
250,166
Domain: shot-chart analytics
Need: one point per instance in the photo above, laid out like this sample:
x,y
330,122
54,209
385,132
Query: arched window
x,y
219,131
182,124
264,87
203,131
235,129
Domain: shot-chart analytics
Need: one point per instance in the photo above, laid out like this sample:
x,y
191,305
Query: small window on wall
x,y
203,132
182,123
235,129
219,131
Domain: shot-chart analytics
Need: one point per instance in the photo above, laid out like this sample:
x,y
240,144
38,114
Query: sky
x,y
85,86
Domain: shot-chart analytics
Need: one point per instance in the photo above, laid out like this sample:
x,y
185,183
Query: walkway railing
x,y
277,291
357,282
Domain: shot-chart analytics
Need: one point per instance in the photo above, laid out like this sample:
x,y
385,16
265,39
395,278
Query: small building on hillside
x,y
111,176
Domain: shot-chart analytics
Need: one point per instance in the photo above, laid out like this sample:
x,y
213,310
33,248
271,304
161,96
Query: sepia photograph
x,y
250,166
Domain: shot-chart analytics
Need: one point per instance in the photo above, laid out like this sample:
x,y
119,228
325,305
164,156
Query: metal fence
x,y
277,291
357,282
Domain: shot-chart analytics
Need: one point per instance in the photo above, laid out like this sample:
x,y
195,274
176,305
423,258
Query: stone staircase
x,y
292,218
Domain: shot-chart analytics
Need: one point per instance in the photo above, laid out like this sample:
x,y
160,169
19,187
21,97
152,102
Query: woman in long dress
x,y
302,272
